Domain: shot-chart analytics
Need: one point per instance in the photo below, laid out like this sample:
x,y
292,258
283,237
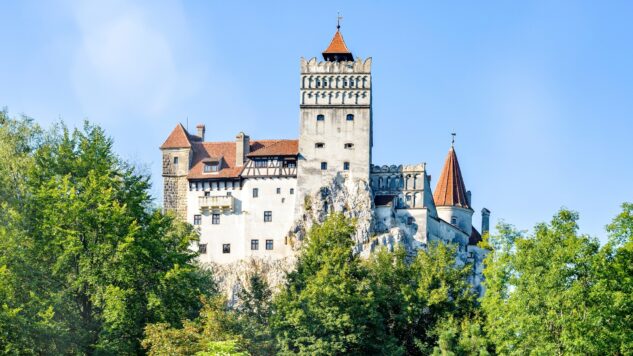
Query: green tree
x,y
328,306
415,293
86,260
539,289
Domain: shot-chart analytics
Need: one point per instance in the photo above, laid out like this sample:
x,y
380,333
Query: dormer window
x,y
454,220
319,145
210,167
320,117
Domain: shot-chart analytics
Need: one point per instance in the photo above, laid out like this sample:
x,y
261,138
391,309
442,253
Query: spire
x,y
337,51
450,189
179,138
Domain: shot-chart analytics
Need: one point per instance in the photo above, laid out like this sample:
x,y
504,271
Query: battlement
x,y
314,66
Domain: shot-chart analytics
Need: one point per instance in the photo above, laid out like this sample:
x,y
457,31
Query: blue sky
x,y
539,92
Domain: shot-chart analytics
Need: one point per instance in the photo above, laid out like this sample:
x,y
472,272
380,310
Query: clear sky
x,y
540,93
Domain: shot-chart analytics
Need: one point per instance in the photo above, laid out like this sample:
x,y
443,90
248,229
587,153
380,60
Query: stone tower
x,y
177,155
335,117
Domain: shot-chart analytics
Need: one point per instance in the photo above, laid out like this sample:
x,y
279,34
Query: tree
x,y
328,306
539,289
87,261
415,294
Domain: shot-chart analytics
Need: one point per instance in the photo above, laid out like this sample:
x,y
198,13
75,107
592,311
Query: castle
x,y
245,195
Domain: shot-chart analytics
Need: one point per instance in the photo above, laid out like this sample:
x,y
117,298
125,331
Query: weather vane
x,y
338,20
453,141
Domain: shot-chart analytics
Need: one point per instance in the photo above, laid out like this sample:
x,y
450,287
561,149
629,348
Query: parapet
x,y
314,66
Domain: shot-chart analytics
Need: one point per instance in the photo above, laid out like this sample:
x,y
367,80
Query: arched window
x,y
318,82
350,117
320,117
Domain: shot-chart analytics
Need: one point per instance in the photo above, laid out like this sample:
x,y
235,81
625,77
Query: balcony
x,y
223,203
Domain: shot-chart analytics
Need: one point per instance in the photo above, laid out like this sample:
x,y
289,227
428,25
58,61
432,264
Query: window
x,y
228,194
290,164
323,166
278,190
269,244
348,146
319,145
211,167
350,117
197,219
215,219
320,117
259,163
454,220
176,160
255,192
202,249
206,194
268,216
292,191
346,166
410,220
226,248
254,245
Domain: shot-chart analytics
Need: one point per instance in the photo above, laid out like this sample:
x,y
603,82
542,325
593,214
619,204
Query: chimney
x,y
468,197
242,148
485,220
201,130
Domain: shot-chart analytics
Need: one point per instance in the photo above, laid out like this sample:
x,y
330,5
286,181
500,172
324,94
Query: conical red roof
x,y
178,138
450,189
337,45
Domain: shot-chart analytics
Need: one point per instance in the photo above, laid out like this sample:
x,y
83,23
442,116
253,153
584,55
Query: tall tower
x,y
335,117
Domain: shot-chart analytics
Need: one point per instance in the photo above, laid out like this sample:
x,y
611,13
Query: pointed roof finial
x,y
338,20
453,140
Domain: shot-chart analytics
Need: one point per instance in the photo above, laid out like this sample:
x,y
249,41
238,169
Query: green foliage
x,y
461,338
87,261
539,291
414,295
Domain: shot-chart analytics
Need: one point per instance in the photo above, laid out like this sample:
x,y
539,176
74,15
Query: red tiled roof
x,y
337,45
178,138
204,151
450,189
276,148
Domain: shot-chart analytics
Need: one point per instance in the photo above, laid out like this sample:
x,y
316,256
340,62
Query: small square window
x,y
226,248
197,219
323,166
320,117
319,145
228,194
269,244
255,192
410,220
176,160
202,249
346,166
207,194
215,219
278,190
350,117
348,146
268,216
292,191
254,245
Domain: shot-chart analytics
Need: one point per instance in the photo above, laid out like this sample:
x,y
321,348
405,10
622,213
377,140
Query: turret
x,y
451,197
177,154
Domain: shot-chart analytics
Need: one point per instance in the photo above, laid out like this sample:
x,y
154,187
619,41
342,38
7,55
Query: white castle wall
x,y
246,221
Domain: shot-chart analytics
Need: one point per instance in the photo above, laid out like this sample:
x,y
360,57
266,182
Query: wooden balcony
x,y
218,203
